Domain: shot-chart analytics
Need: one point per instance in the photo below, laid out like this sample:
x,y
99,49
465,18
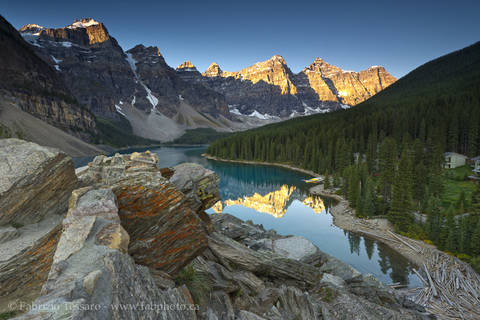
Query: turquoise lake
x,y
278,199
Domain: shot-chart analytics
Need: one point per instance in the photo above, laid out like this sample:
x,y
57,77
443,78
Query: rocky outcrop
x,y
35,181
111,283
37,88
35,184
167,228
252,282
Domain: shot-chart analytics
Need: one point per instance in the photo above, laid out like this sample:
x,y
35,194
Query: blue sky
x,y
353,35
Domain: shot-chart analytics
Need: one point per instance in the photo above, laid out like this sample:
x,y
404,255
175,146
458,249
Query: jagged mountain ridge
x,y
137,85
161,103
270,89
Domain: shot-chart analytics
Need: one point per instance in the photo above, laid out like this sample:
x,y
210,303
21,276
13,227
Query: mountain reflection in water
x,y
274,203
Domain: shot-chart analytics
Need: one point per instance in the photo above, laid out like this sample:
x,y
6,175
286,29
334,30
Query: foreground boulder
x,y
167,227
93,277
35,184
35,181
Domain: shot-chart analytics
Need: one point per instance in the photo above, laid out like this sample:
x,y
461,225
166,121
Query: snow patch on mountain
x,y
265,116
150,97
57,61
119,110
132,62
84,23
31,38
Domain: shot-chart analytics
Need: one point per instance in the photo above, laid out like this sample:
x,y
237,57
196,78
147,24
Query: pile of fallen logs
x,y
452,287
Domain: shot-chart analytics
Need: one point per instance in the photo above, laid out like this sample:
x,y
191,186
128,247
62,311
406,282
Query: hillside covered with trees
x,y
386,154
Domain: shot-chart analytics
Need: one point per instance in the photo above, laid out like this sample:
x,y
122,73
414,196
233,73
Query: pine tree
x,y
433,219
387,163
476,240
370,198
465,235
473,135
336,180
452,230
353,193
399,213
475,206
435,178
326,182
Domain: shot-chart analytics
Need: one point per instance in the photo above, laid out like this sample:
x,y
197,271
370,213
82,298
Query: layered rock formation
x,y
125,206
34,181
110,282
35,87
35,184
165,220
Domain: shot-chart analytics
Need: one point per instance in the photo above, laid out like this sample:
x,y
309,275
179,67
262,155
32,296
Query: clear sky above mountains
x,y
353,35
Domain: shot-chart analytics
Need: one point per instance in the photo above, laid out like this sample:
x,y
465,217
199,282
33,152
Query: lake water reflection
x,y
279,199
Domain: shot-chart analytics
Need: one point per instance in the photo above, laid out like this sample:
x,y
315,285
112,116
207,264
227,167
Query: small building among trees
x,y
454,160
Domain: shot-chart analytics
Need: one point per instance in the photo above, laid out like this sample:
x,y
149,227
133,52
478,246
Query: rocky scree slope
x,y
132,234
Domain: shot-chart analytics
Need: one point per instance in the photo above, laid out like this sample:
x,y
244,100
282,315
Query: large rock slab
x,y
262,263
23,274
98,280
35,181
167,228
295,247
